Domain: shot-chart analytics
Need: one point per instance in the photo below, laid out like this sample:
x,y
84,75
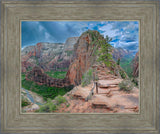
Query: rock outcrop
x,y
83,59
38,76
69,44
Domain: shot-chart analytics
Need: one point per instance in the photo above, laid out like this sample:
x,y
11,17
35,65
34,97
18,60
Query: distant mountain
x,y
125,57
120,53
49,56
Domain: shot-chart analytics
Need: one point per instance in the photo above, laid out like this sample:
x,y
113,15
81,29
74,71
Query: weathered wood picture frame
x,y
13,12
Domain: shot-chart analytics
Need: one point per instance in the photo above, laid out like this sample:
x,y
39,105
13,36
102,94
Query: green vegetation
x,y
126,85
60,99
87,77
24,102
59,60
123,74
52,106
57,74
135,81
102,47
23,76
118,61
29,68
48,107
95,35
44,90
104,52
69,52
126,65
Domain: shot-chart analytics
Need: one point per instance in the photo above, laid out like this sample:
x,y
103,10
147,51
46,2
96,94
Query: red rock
x,y
82,62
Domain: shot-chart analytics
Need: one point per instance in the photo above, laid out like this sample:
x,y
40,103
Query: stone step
x,y
100,101
82,92
106,78
107,83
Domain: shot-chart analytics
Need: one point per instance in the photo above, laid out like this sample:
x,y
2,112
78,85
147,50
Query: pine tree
x,y
104,51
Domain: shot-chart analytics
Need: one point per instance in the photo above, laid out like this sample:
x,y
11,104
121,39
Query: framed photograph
x,y
80,66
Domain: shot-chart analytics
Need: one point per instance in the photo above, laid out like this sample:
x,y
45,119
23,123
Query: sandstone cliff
x,y
85,58
83,52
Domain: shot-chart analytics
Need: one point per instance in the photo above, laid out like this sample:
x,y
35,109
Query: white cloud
x,y
107,30
47,36
41,28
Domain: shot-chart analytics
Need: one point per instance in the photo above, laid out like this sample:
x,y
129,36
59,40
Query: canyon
x,y
75,57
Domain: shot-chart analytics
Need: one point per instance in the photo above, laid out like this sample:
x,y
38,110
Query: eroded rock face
x,y
135,64
83,59
69,44
37,75
49,56
40,54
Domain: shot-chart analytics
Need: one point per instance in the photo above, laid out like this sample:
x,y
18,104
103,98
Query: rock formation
x,y
37,75
69,44
40,54
49,56
83,59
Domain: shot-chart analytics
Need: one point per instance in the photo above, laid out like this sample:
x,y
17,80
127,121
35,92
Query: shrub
x,y
135,81
87,77
60,99
43,108
67,105
48,107
25,102
126,85
23,76
51,106
118,61
122,73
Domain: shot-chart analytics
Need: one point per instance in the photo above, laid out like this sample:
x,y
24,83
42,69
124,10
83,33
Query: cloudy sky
x,y
124,34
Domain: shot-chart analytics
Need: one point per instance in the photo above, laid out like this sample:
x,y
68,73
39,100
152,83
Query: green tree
x,y
118,61
104,51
